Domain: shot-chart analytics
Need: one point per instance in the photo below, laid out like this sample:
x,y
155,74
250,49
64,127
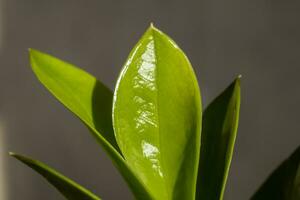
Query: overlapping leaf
x,y
284,182
79,91
64,185
220,122
91,101
157,117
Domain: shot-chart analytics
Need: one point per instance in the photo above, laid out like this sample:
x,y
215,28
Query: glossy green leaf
x,y
79,91
91,101
157,117
219,128
284,182
64,185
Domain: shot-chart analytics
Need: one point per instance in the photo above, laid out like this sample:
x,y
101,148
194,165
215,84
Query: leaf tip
x,y
237,81
12,154
22,158
32,54
15,155
237,86
31,51
35,56
153,28
152,25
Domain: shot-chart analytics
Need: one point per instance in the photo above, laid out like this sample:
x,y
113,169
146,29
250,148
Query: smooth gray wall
x,y
259,39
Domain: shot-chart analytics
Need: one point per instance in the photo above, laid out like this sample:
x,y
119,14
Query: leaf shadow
x,y
102,98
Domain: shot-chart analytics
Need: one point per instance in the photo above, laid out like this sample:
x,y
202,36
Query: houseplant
x,y
152,126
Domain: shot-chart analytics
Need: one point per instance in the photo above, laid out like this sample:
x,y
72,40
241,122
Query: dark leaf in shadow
x,y
102,111
284,182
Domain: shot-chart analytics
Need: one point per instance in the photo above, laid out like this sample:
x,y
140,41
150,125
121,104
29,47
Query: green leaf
x,y
79,91
64,185
91,101
220,122
157,117
284,182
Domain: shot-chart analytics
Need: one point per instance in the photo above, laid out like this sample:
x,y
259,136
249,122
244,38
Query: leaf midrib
x,y
157,113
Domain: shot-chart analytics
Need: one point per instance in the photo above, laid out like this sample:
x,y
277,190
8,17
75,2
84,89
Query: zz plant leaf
x,y
220,122
67,187
157,98
150,126
284,182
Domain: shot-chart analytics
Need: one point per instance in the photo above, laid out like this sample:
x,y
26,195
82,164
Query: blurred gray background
x,y
259,39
